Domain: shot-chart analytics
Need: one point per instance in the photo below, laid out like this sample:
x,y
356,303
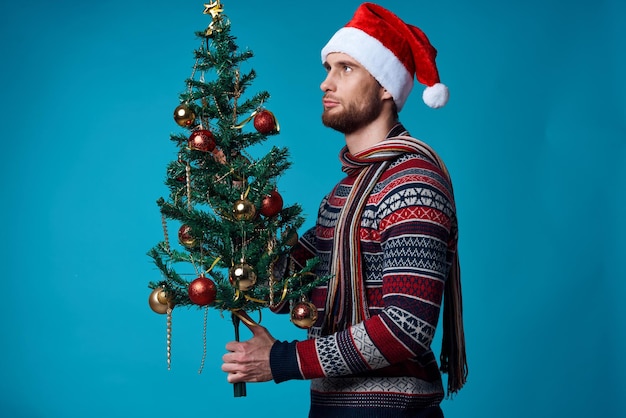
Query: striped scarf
x,y
346,302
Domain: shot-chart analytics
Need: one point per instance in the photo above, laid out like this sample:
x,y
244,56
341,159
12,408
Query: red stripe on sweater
x,y
416,212
415,163
309,360
393,350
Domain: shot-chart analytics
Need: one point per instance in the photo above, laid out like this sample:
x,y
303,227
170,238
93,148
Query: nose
x,y
327,84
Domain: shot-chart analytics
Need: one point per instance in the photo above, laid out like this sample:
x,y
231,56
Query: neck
x,y
371,134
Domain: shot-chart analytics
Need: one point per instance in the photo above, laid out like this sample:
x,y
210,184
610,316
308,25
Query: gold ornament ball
x,y
304,314
184,116
242,277
162,297
158,301
244,210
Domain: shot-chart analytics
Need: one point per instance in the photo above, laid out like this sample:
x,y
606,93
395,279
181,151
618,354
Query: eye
x,y
347,69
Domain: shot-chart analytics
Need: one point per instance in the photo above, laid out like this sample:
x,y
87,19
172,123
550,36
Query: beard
x,y
354,115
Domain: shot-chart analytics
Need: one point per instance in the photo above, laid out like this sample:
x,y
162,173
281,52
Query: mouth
x,y
329,102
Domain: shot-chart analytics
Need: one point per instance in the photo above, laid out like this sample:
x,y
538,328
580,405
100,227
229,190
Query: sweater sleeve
x,y
415,219
284,361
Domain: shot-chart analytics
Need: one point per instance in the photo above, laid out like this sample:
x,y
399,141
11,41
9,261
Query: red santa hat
x,y
392,51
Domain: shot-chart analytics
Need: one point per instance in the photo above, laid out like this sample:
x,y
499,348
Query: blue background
x,y
534,135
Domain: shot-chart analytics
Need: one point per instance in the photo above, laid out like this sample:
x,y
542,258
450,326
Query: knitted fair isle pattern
x,y
407,244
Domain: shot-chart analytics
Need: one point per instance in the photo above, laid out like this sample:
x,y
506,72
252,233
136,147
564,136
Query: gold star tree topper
x,y
214,9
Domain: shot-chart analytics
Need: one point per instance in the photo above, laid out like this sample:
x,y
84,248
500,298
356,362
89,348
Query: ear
x,y
386,95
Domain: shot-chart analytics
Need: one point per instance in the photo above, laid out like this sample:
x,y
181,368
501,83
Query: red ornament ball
x,y
202,140
185,236
265,122
272,204
202,291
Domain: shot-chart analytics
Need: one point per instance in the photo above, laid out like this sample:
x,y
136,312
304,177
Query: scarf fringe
x,y
453,357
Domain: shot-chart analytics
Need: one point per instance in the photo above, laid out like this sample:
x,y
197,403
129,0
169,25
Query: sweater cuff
x,y
284,361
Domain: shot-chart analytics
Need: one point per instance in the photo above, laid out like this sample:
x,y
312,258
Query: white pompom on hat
x,y
392,51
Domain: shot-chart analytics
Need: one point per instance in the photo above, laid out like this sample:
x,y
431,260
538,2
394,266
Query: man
x,y
387,234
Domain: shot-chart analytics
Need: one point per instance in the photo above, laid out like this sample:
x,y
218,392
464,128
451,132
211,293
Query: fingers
x,y
231,365
248,361
245,365
234,363
239,373
231,357
234,346
235,377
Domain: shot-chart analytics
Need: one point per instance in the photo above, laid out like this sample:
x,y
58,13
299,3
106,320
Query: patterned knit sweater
x,y
383,366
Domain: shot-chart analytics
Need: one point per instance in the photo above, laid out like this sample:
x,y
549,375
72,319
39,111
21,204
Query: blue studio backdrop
x,y
534,136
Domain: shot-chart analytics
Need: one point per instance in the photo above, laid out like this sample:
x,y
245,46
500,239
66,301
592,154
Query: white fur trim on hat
x,y
436,96
381,63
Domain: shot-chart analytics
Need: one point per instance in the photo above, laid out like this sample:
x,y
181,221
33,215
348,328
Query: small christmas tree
x,y
234,231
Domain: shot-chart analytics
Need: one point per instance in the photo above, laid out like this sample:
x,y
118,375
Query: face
x,y
352,97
